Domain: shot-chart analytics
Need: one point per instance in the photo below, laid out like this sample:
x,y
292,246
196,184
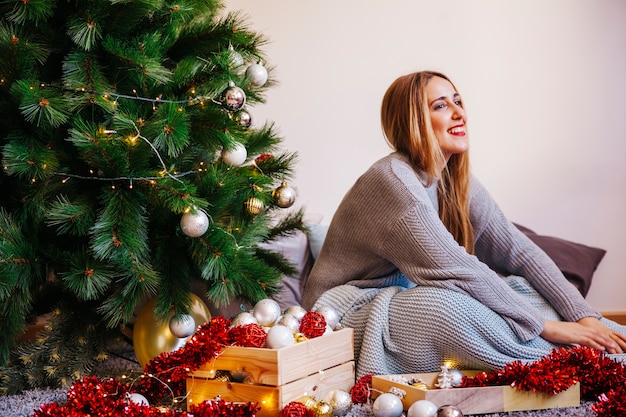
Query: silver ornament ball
x,y
244,118
289,321
449,411
422,408
235,156
194,223
456,377
266,311
387,405
234,98
297,311
330,315
279,336
341,401
257,74
235,61
243,318
182,325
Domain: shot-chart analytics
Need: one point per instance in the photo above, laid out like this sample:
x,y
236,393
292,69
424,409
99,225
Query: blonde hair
x,y
406,124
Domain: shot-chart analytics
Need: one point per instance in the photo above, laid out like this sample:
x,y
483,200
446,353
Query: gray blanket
x,y
410,330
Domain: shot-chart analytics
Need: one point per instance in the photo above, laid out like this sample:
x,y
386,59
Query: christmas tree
x,y
131,170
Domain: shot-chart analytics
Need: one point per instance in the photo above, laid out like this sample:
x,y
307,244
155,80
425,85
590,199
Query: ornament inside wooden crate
x,y
481,400
274,377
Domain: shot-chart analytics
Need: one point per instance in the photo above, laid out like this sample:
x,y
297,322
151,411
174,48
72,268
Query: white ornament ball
x,y
290,321
456,377
243,318
387,405
279,336
182,325
341,401
236,156
194,223
138,399
422,408
330,314
257,74
266,311
297,311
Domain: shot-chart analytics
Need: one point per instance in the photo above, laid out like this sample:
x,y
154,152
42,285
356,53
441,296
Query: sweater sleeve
x,y
425,252
505,249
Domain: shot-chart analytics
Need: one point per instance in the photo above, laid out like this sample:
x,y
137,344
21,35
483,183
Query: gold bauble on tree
x,y
254,206
284,195
152,337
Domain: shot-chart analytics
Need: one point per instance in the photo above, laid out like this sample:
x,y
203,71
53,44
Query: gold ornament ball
x,y
284,195
309,402
152,337
254,206
323,409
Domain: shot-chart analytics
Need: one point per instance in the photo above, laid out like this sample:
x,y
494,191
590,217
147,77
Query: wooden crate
x,y
483,400
279,376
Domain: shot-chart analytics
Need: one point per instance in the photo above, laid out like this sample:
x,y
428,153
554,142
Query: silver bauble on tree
x,y
284,195
257,74
244,118
194,223
233,98
235,156
235,60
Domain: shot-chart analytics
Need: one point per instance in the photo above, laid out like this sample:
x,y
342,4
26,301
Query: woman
x,y
422,263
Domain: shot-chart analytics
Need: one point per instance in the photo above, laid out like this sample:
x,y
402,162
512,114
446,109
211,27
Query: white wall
x,y
544,82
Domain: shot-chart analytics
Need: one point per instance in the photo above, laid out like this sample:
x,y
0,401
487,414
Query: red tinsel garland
x,y
600,378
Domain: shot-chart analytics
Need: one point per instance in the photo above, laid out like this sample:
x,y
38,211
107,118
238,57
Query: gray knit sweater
x,y
388,223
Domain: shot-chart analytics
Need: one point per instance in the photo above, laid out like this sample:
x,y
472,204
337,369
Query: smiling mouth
x,y
456,130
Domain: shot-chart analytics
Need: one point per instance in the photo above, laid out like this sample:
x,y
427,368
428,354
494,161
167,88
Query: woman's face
x,y
447,117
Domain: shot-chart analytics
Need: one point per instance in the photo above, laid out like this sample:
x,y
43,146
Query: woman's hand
x,y
618,338
588,332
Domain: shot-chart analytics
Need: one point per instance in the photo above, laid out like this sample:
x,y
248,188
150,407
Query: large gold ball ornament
x,y
152,337
254,206
284,195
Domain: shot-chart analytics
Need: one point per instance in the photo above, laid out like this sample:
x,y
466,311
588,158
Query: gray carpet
x,y
123,362
24,405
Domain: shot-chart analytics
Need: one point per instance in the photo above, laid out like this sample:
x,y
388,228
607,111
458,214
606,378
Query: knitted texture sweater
x,y
387,233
